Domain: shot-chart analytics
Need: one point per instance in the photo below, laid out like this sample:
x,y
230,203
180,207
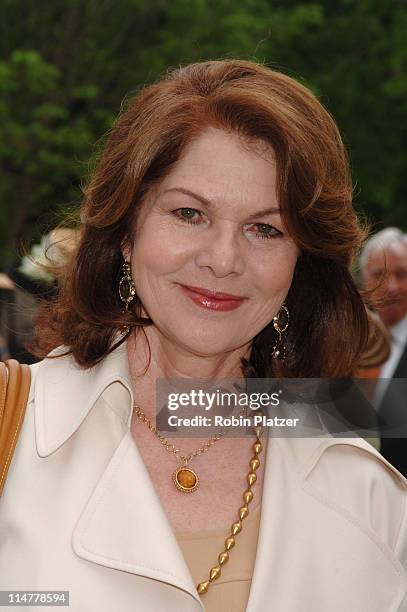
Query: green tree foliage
x,y
66,66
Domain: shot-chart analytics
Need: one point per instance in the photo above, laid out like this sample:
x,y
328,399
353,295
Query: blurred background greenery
x,y
67,65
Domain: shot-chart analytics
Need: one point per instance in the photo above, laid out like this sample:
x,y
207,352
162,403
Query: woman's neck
x,y
170,361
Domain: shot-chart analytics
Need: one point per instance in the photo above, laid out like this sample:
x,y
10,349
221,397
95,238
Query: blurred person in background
x,y
28,281
383,264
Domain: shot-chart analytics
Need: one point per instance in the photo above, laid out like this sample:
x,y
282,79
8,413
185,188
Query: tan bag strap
x,y
15,379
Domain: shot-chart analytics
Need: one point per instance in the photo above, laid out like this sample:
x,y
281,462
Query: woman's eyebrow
x,y
274,210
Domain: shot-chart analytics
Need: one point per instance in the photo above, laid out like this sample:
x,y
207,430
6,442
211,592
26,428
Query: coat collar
x,y
65,393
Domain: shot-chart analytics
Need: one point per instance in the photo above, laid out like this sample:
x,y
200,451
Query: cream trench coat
x,y
79,512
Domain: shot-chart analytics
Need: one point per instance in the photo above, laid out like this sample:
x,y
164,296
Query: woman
x,y
217,239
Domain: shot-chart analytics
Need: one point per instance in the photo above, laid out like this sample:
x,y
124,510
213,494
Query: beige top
x,y
230,592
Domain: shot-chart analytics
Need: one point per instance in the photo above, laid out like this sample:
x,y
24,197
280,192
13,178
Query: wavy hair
x,y
328,323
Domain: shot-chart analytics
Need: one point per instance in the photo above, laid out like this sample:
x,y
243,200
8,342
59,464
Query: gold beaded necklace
x,y
243,511
188,481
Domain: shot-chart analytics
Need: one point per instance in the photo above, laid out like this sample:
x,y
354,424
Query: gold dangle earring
x,y
280,324
127,291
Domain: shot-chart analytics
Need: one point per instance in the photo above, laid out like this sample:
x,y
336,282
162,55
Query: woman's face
x,y
213,224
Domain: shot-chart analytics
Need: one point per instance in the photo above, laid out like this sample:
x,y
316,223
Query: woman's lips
x,y
212,300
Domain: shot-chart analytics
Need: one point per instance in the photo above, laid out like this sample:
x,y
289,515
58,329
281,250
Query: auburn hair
x,y
328,327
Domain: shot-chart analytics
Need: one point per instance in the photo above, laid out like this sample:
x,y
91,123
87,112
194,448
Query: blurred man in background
x,y
384,265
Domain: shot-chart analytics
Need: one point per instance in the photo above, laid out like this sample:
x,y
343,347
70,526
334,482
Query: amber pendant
x,y
185,479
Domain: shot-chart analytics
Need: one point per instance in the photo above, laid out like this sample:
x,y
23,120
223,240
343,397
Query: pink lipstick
x,y
212,300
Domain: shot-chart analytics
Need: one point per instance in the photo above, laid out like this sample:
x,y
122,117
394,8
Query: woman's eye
x,y
188,215
265,231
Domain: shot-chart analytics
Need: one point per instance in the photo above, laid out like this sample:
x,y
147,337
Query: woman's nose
x,y
222,252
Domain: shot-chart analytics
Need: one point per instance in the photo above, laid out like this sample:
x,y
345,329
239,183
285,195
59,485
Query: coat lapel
x,y
309,551
124,525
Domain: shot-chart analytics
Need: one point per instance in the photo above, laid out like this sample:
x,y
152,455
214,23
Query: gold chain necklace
x,y
188,484
185,479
